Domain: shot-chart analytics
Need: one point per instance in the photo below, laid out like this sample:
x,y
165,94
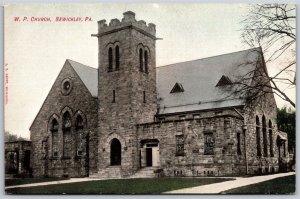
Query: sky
x,y
34,52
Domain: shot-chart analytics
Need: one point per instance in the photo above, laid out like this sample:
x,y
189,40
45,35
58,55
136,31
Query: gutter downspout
x,y
245,143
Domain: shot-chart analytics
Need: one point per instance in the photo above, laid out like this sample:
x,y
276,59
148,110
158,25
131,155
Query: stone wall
x,y
17,157
225,125
78,101
121,100
263,106
225,159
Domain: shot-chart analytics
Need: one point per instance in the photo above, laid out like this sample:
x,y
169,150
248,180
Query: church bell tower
x,y
126,88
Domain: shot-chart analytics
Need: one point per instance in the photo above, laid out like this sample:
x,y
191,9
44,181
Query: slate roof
x,y
88,75
199,79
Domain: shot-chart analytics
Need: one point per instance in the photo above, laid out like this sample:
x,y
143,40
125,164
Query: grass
x,y
120,186
19,181
283,185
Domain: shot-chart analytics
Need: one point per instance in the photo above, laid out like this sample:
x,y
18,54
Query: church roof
x,y
199,79
88,75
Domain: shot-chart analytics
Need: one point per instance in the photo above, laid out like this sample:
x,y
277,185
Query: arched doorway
x,y
115,152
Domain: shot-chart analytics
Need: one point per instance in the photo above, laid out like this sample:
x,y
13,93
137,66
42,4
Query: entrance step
x,y
148,172
111,172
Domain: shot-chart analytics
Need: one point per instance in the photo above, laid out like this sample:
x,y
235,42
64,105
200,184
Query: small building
x,y
17,158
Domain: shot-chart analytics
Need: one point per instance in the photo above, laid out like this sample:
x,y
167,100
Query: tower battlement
x,y
127,21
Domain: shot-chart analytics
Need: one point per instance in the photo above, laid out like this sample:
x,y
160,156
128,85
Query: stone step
x,y
108,173
148,172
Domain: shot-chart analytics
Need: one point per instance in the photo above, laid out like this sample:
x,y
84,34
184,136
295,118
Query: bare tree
x,y
273,28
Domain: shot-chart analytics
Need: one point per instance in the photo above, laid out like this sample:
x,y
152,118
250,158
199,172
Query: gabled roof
x,y
224,81
88,75
200,78
177,88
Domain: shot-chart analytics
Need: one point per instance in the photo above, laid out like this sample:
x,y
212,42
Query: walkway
x,y
53,182
216,188
204,189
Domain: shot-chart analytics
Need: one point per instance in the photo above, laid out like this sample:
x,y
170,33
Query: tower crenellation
x,y
127,20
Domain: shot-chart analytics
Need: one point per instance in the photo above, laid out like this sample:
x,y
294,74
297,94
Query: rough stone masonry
x,y
132,118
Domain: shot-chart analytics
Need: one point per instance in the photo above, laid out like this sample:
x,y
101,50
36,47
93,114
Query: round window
x,y
66,86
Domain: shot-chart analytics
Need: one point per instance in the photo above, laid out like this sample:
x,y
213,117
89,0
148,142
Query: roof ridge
x,y
209,57
81,64
81,71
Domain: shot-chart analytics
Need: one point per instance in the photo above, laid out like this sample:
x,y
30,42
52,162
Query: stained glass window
x,y
179,145
209,143
54,132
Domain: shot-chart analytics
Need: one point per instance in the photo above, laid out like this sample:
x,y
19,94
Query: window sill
x,y
53,158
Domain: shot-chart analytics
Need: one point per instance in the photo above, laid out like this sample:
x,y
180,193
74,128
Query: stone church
x,y
130,118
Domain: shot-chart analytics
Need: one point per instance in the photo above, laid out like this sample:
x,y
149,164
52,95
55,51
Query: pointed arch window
x,y
54,137
79,122
117,52
110,59
141,60
239,151
67,139
258,148
271,139
265,141
80,141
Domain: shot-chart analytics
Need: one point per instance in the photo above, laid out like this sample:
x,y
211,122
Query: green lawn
x,y
19,181
120,186
283,185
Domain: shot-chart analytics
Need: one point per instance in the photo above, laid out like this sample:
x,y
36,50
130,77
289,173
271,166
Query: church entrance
x,y
115,152
149,153
149,157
